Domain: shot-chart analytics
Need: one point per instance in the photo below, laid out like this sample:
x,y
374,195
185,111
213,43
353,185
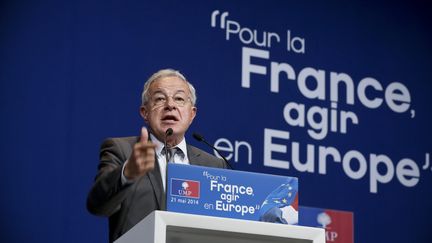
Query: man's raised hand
x,y
142,159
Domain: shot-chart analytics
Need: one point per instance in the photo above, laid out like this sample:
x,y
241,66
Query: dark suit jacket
x,y
126,205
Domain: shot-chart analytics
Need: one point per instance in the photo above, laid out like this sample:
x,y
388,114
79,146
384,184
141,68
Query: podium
x,y
171,227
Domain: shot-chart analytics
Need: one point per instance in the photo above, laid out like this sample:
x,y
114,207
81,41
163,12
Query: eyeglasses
x,y
159,99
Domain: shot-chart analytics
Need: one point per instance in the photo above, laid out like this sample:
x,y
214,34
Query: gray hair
x,y
162,74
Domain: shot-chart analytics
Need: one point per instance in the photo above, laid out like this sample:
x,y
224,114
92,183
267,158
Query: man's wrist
x,y
124,179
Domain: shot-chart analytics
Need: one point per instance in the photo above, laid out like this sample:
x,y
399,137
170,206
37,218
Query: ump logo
x,y
185,188
324,219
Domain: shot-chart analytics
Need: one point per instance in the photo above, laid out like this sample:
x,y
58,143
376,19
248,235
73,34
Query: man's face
x,y
169,106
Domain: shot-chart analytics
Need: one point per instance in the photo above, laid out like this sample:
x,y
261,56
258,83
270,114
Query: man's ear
x,y
144,113
194,112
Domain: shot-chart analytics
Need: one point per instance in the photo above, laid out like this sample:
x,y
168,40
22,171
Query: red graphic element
x,y
340,229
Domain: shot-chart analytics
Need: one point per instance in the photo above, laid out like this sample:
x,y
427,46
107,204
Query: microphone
x,y
168,133
200,138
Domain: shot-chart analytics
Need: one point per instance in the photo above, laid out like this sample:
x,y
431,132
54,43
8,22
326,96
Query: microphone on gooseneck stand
x,y
200,138
168,133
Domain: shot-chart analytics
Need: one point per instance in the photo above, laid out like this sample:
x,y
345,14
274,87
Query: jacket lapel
x,y
156,183
194,156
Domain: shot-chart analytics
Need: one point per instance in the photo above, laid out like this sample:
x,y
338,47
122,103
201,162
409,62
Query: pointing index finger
x,y
144,135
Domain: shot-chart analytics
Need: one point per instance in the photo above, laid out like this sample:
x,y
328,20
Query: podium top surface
x,y
161,227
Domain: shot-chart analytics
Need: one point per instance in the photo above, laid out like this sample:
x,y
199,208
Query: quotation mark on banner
x,y
427,162
222,19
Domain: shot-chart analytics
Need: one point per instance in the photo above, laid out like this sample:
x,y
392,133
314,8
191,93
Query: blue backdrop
x,y
72,72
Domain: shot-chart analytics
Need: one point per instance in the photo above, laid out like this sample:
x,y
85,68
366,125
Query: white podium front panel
x,y
176,234
169,227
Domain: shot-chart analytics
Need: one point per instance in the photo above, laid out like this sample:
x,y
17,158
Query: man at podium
x,y
130,182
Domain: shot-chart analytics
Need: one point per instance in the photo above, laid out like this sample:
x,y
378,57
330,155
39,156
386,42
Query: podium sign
x,y
232,194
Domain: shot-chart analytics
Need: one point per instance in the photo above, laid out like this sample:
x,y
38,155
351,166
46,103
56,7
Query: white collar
x,y
160,145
